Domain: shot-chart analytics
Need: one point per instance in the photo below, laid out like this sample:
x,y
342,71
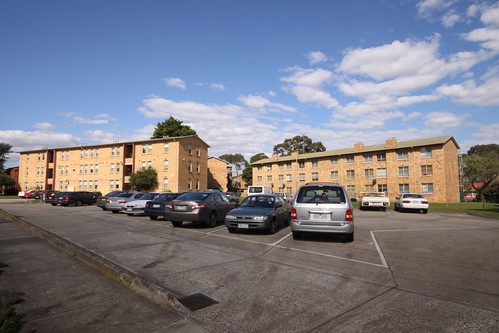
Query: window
x,y
301,164
315,176
350,174
381,172
198,153
334,160
351,190
165,183
189,184
368,157
149,165
334,175
117,184
198,167
259,179
166,148
281,166
404,171
315,163
82,153
281,178
402,154
118,151
198,184
117,167
404,188
301,177
427,188
381,156
112,167
288,165
113,149
111,184
149,148
259,168
369,173
143,165
96,168
91,168
96,154
426,152
190,166
144,149
383,188
269,179
189,150
269,167
350,159
289,177
368,188
426,170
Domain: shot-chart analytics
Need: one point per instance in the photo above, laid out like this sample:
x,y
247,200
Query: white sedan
x,y
136,207
411,201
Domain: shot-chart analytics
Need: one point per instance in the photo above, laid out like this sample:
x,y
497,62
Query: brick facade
x,y
181,164
428,166
217,174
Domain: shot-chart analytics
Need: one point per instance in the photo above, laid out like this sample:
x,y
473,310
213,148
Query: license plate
x,y
129,209
243,226
415,201
156,206
319,216
180,207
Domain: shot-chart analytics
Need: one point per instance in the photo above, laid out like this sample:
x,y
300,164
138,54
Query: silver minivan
x,y
324,208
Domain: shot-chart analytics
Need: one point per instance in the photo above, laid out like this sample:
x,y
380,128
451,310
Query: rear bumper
x,y
325,227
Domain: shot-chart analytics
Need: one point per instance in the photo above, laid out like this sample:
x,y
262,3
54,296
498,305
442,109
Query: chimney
x,y
391,143
359,146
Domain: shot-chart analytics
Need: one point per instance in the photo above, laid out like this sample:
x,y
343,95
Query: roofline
x,y
366,149
166,138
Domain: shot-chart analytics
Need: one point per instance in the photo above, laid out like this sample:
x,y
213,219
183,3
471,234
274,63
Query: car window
x,y
258,201
321,194
194,196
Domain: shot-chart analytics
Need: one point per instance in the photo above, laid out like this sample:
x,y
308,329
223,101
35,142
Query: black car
x,y
259,212
156,208
76,198
52,198
198,207
102,199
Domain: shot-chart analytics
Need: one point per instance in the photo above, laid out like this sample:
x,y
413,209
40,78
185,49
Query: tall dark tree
x,y
144,180
481,166
300,143
248,172
5,149
233,158
172,127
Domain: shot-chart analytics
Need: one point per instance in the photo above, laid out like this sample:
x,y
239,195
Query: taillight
x,y
349,215
424,202
293,214
169,206
406,201
197,206
122,201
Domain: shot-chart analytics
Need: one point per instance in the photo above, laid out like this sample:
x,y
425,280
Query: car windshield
x,y
258,201
418,196
194,196
149,196
165,197
321,194
125,195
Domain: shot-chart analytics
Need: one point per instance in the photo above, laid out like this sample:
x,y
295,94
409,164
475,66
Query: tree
x,y
248,172
301,144
172,127
233,158
481,166
144,180
5,149
6,181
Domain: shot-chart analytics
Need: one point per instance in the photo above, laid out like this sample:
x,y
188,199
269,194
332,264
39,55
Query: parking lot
x,y
403,272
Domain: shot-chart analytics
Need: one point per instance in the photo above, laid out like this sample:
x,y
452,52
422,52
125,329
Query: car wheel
x,y
78,203
129,214
177,223
349,237
54,204
115,211
231,230
273,226
425,211
154,218
401,209
296,235
212,220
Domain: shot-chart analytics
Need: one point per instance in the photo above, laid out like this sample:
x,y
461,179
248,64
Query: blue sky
x,y
248,74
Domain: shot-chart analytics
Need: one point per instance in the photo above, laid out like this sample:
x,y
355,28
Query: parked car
x,y
102,199
76,198
52,198
322,208
156,208
116,204
231,196
411,201
40,194
26,194
199,207
259,212
136,207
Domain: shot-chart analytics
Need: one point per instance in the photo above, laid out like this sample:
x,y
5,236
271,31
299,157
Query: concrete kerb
x,y
144,287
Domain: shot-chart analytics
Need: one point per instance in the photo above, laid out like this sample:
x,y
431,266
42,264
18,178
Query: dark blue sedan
x,y
259,212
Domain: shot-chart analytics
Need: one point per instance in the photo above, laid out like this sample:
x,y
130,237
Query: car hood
x,y
247,211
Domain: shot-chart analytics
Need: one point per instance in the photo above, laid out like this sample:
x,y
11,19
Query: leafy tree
x,y
144,180
481,165
172,127
6,181
248,172
5,149
233,158
300,143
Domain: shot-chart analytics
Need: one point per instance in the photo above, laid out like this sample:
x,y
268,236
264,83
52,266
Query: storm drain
x,y
197,301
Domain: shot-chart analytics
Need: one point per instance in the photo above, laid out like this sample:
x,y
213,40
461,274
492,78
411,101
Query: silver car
x,y
137,207
116,204
323,208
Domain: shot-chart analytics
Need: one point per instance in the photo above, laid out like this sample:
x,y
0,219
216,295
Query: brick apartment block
x,y
427,166
181,164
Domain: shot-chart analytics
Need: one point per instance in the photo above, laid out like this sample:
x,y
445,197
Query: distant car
x,y
26,194
52,198
322,208
40,194
21,194
199,207
136,207
116,204
102,199
156,208
259,212
411,201
76,198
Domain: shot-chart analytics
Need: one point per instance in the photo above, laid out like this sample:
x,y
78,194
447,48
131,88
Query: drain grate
x,y
196,301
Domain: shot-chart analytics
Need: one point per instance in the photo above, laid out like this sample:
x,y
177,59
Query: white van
x,y
253,190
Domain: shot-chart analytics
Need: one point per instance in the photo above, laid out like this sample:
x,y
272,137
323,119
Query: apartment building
x,y
181,164
427,166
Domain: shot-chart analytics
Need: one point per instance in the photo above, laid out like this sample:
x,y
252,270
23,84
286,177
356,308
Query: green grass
x,y
474,208
9,197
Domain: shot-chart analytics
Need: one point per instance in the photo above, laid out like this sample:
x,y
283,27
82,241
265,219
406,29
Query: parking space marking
x,y
380,252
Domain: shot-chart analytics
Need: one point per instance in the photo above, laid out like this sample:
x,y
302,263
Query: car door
x,y
221,206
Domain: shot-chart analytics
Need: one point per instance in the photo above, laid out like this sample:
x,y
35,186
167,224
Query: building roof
x,y
365,149
173,138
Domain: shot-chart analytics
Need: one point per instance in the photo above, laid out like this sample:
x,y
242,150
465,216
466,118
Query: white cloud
x,y
485,134
44,126
217,86
443,121
450,19
263,104
469,92
175,82
487,36
315,57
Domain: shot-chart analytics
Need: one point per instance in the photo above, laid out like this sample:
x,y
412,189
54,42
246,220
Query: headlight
x,y
230,217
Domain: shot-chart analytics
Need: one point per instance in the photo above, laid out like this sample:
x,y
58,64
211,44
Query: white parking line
x,y
380,252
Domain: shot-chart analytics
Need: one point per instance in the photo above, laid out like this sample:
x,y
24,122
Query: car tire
x,y
115,211
296,234
129,214
54,204
212,220
78,203
154,218
231,230
349,237
425,211
177,223
273,226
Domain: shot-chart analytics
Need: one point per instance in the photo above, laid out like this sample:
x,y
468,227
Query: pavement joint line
x,y
380,252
